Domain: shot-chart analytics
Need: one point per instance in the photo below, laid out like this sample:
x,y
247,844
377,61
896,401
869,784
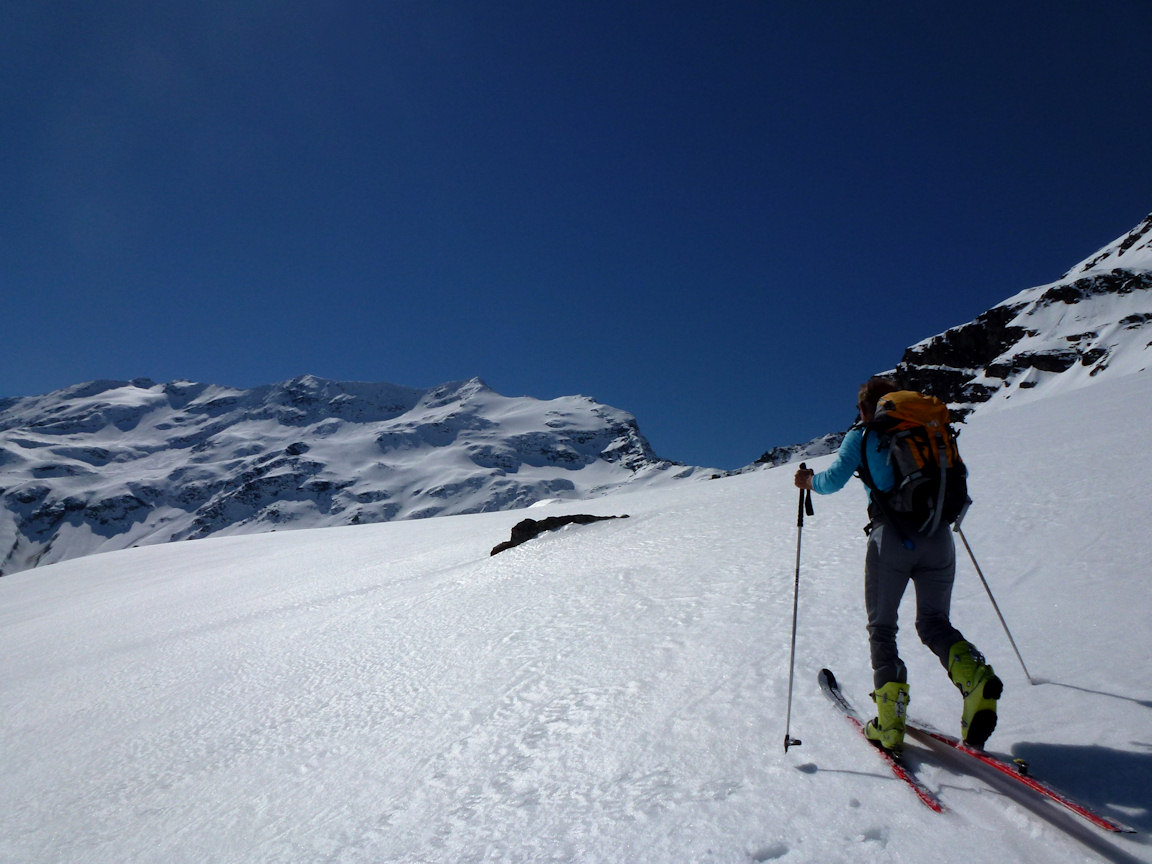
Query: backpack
x,y
931,478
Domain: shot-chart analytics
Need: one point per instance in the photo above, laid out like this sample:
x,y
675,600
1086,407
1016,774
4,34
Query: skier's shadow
x,y
1112,782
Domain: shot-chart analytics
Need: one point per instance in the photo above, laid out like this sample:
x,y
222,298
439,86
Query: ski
x,y
832,690
1018,770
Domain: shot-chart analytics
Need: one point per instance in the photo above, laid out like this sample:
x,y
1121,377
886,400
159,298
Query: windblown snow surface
x,y
614,692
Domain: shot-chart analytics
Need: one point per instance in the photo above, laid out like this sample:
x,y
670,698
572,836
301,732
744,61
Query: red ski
x,y
1018,770
832,690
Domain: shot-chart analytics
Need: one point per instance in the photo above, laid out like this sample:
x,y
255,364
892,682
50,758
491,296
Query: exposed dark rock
x,y
527,529
1114,282
821,446
1093,355
971,345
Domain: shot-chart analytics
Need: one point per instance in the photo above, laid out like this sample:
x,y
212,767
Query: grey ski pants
x,y
888,567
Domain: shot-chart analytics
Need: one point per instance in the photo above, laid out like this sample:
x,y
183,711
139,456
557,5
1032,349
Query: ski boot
x,y
886,729
980,687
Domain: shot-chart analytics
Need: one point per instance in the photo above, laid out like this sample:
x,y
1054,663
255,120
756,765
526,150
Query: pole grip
x,y
805,503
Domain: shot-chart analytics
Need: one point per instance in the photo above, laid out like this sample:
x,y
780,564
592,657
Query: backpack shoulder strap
x,y
877,497
865,474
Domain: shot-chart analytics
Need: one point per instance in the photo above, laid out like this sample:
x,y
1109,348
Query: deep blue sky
x,y
720,216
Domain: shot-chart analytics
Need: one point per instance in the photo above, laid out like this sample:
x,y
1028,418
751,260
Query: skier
x,y
893,558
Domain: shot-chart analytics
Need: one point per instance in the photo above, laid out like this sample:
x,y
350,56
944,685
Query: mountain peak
x,y
1133,251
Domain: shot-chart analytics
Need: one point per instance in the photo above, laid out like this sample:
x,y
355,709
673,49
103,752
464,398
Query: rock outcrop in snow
x,y
110,464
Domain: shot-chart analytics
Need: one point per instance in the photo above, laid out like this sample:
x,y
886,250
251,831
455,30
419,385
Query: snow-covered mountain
x,y
1096,320
615,692
820,446
107,465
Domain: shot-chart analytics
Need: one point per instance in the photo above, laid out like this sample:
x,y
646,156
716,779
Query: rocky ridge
x,y
1094,320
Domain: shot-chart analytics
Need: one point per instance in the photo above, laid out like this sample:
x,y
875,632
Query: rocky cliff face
x,y
1096,319
107,464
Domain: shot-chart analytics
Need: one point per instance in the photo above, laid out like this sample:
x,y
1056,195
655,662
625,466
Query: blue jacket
x,y
847,461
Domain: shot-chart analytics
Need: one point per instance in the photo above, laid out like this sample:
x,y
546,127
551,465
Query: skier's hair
x,y
872,390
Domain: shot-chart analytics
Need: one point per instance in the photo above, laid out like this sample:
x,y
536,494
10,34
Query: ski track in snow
x,y
613,692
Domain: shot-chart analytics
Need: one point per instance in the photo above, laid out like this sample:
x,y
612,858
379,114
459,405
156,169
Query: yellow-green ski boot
x,y
887,728
980,688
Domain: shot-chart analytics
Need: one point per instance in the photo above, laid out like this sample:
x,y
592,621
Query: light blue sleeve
x,y
834,478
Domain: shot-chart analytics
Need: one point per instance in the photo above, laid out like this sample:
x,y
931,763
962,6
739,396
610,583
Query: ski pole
x,y
995,605
804,505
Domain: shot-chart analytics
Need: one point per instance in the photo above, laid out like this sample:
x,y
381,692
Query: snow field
x,y
612,692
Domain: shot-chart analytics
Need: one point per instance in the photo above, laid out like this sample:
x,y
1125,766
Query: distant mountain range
x,y
111,464
1095,320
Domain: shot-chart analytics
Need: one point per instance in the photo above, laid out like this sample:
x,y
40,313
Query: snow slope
x,y
614,692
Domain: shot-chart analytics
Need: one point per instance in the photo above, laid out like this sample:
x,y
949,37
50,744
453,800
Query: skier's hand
x,y
803,478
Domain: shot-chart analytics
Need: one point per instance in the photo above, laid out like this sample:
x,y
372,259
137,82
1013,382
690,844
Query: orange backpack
x,y
931,478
